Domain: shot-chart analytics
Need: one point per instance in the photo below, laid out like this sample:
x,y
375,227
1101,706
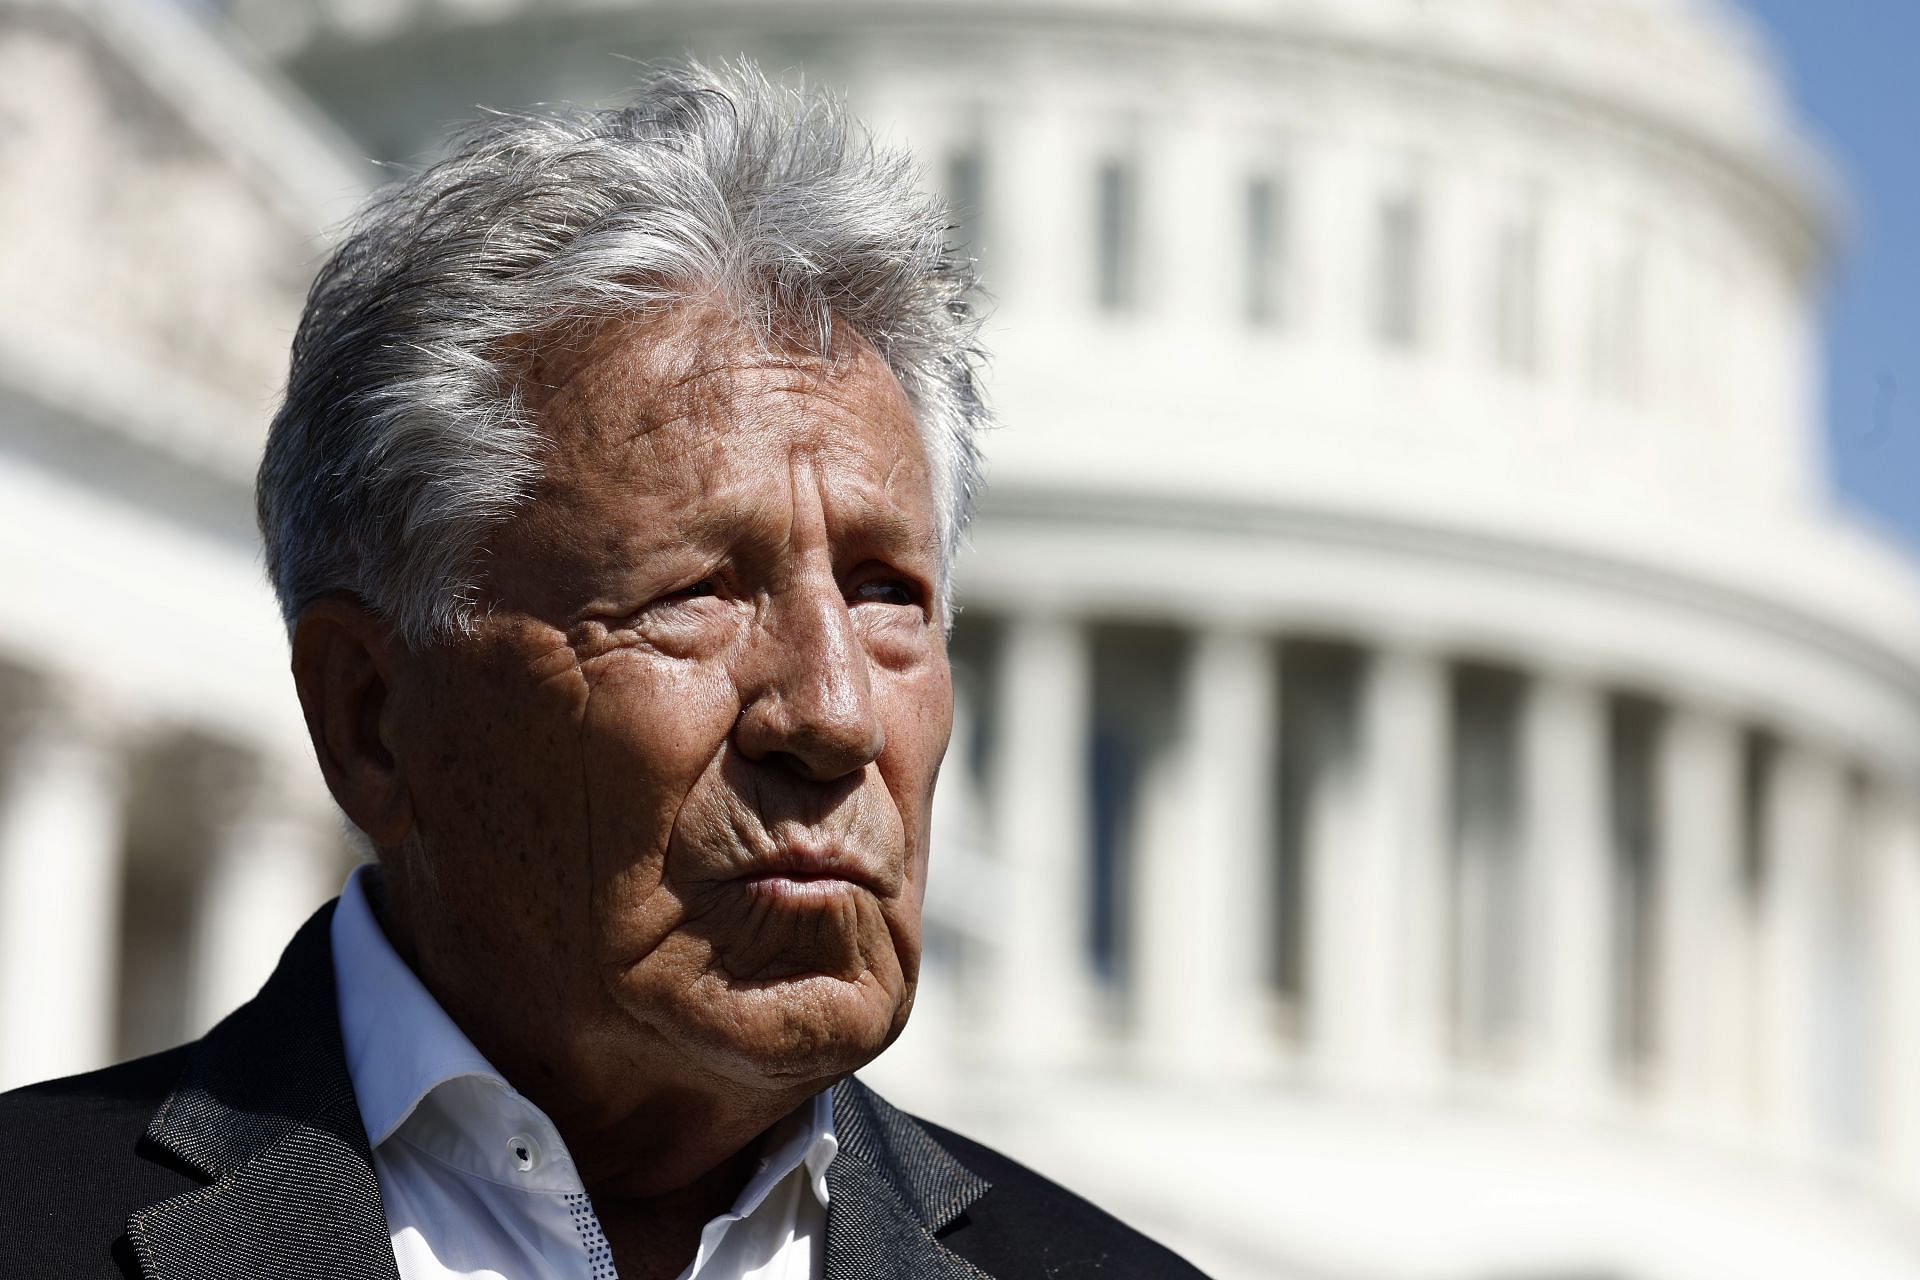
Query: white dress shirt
x,y
475,1180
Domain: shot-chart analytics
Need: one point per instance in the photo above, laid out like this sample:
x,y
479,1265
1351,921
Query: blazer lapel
x,y
891,1188
265,1111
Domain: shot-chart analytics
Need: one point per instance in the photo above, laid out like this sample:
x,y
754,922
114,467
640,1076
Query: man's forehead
x,y
694,419
628,378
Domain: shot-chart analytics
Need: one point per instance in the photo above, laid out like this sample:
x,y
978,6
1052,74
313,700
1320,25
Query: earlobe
x,y
344,663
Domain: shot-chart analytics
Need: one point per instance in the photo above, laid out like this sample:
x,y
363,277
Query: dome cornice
x,y
1688,80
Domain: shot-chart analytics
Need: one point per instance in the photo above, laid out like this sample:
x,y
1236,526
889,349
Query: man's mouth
x,y
805,876
799,890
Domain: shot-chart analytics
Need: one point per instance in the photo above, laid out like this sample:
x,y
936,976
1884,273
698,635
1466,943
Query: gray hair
x,y
405,439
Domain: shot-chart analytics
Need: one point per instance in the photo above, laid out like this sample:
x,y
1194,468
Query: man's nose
x,y
812,705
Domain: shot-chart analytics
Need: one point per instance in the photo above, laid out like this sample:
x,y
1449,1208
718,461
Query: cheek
x,y
919,719
493,767
652,730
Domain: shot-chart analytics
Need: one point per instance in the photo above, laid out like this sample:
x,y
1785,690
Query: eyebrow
x,y
873,522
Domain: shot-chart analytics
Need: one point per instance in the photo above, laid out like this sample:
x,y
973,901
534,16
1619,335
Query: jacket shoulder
x,y
1026,1225
80,1165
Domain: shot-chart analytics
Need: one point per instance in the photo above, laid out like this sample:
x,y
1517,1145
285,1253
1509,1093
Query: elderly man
x,y
611,508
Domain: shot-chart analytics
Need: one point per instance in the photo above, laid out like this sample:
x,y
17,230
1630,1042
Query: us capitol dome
x,y
1434,784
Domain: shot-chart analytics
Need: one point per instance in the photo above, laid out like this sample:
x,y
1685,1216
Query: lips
x,y
796,871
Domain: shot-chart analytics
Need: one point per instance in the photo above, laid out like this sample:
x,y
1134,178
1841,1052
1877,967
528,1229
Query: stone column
x,y
1802,842
1564,799
1894,850
61,856
1410,712
1699,990
1204,882
271,863
1377,964
1039,797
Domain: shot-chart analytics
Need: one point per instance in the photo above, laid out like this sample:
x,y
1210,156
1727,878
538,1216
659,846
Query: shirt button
x,y
525,1152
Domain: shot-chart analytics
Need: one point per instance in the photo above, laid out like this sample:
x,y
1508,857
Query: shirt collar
x,y
401,1047
806,1138
800,1146
400,1043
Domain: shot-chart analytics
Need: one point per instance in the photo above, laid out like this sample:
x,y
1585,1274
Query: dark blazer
x,y
243,1155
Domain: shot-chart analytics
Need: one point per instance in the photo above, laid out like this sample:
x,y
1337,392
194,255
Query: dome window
x,y
1516,295
1397,298
1266,213
1116,235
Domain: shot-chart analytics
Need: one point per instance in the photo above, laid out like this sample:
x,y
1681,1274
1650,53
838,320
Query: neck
x,y
661,1173
674,1141
655,1237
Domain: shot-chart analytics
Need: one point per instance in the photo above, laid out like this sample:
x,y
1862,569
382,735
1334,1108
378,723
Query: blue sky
x,y
1854,70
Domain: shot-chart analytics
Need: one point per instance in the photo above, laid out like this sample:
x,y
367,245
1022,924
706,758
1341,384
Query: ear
x,y
344,662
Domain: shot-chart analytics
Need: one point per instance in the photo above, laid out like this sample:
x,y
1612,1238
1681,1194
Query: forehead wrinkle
x,y
880,519
890,528
796,409
676,363
741,513
902,462
730,518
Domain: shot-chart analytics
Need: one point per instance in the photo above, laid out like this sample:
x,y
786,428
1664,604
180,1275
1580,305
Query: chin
x,y
799,1030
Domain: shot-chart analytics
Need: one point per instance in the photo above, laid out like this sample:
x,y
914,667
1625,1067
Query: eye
x,y
693,591
896,591
687,621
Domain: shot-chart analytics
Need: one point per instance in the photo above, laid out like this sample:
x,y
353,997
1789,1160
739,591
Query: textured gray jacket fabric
x,y
243,1155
